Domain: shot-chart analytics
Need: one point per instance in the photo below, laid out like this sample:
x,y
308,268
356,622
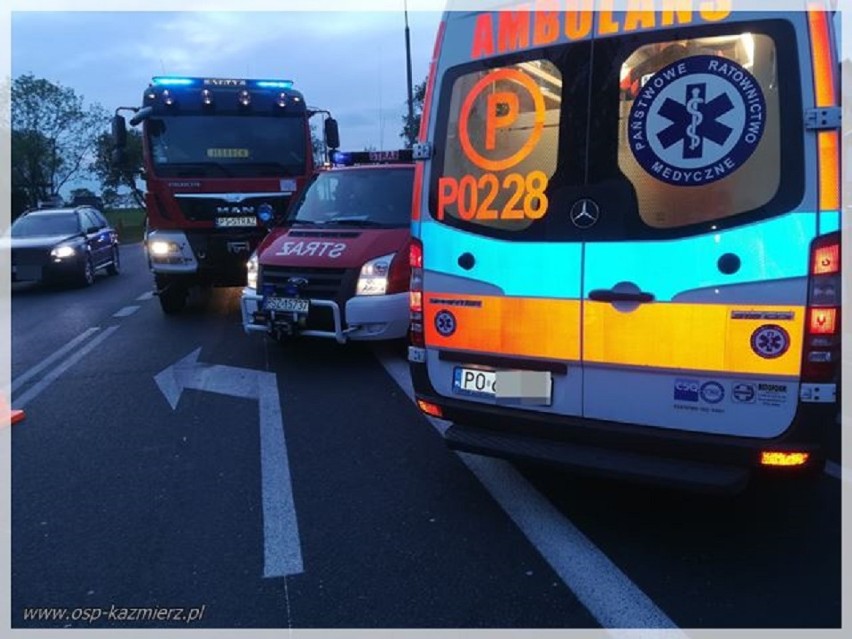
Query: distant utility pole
x,y
410,127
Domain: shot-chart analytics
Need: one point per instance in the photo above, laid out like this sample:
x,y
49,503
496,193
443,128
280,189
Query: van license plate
x,y
287,304
472,381
229,222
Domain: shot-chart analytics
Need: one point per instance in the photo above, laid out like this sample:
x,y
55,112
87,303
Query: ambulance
x,y
626,239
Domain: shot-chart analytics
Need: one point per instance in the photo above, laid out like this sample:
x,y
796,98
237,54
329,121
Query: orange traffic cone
x,y
8,415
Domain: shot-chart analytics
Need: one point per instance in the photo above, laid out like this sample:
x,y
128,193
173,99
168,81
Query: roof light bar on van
x,y
350,158
825,95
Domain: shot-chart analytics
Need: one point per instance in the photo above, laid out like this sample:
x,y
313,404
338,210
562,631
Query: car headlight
x,y
63,251
373,279
251,271
161,247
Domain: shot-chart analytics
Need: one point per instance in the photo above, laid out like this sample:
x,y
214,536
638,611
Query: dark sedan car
x,y
62,244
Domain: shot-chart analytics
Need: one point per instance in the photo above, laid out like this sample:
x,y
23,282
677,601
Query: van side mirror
x,y
119,132
332,135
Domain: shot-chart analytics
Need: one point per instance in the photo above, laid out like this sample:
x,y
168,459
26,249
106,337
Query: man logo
x,y
585,213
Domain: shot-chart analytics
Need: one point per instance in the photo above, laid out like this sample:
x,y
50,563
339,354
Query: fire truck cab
x,y
222,158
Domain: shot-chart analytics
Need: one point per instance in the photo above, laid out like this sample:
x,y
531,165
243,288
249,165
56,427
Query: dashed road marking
x,y
127,310
36,389
47,361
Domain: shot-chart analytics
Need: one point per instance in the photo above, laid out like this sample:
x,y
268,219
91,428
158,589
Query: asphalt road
x,y
175,463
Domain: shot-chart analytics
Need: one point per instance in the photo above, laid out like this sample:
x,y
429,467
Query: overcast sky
x,y
352,64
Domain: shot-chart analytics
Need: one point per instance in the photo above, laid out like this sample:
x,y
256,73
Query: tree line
x,y
57,141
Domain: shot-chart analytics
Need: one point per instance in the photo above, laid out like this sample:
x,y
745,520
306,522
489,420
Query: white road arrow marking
x,y
282,548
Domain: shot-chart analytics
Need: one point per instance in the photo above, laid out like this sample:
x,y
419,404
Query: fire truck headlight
x,y
162,248
373,279
251,271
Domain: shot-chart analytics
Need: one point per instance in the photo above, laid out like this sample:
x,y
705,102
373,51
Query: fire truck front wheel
x,y
172,296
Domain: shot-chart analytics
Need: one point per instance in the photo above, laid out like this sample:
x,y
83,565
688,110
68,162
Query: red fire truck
x,y
222,158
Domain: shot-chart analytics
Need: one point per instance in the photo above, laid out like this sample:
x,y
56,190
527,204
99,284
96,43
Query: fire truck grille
x,y
199,209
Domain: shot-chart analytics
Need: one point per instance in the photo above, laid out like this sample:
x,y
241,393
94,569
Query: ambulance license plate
x,y
242,220
473,381
287,304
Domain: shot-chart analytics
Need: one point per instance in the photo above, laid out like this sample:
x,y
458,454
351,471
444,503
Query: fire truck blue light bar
x,y
273,84
172,82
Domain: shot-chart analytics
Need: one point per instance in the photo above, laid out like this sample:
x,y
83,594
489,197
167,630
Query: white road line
x,y
282,546
32,392
145,296
605,591
127,310
47,361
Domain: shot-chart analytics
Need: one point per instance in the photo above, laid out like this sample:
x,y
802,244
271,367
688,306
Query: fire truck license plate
x,y
287,304
242,220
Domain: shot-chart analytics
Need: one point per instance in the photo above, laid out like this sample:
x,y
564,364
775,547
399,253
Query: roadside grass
x,y
130,223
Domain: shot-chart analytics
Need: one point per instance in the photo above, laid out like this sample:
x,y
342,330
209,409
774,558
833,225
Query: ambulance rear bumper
x,y
675,458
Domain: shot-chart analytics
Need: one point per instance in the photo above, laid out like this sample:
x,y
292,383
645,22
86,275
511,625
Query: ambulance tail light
x,y
783,458
821,353
430,409
415,292
399,275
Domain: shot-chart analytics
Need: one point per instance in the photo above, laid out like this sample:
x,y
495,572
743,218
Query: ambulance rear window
x,y
500,183
699,138
654,134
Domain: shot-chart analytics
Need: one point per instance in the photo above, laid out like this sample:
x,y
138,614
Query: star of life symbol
x,y
445,323
770,341
696,121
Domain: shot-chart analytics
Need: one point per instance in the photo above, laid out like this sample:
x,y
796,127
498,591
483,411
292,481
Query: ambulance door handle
x,y
609,295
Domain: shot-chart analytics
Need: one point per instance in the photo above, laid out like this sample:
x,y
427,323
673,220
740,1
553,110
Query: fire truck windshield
x,y
227,146
378,196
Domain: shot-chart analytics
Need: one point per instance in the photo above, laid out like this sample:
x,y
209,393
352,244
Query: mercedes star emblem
x,y
585,213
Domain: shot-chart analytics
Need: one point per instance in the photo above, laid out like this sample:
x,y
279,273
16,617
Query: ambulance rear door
x,y
502,273
695,282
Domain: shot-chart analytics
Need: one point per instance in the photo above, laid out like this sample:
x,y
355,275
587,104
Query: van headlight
x,y
251,271
373,279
